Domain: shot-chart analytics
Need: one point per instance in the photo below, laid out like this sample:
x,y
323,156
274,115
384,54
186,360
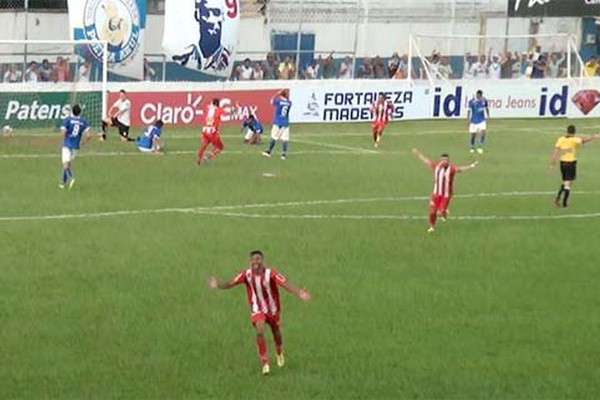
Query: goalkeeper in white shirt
x,y
119,115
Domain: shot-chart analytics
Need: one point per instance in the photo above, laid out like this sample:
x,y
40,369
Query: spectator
x,y
270,67
346,69
366,69
525,65
258,72
61,70
83,73
402,71
392,65
555,69
479,69
32,73
506,65
149,72
286,69
245,72
45,71
517,65
591,67
312,70
538,70
445,69
328,67
494,67
468,62
379,69
13,75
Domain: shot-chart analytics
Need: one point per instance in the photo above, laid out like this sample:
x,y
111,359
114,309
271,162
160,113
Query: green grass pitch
x,y
103,288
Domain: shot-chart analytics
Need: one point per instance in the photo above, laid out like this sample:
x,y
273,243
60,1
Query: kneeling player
x,y
149,141
252,129
119,116
381,113
443,182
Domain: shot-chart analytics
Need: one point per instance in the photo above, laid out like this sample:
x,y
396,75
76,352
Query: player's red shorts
x,y
272,320
439,202
212,136
379,125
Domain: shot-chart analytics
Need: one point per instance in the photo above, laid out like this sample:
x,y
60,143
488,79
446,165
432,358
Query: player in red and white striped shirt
x,y
381,113
210,131
262,289
443,185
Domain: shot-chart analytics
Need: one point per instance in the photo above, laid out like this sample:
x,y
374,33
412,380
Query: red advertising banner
x,y
187,107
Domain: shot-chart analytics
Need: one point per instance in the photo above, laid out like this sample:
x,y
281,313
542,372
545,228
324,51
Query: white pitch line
x,y
336,146
225,210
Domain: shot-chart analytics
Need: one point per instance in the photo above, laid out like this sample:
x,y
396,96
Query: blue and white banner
x,y
121,23
202,34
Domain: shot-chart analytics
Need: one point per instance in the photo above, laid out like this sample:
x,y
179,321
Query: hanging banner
x,y
121,23
202,34
553,8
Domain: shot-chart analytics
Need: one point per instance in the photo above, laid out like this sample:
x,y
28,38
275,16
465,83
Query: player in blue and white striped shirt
x,y
72,128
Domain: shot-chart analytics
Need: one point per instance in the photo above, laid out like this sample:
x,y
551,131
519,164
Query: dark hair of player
x,y
479,93
381,94
571,129
216,102
159,123
285,93
444,155
256,253
122,91
251,116
76,110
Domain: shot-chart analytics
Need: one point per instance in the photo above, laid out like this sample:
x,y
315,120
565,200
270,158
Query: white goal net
x,y
41,80
445,57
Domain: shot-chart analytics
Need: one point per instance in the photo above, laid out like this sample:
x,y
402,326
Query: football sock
x,y
278,341
566,197
65,177
261,345
472,141
69,173
271,145
284,147
482,139
375,136
104,127
432,218
560,192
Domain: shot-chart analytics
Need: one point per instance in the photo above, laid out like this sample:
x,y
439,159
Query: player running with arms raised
x,y
478,114
210,132
281,123
382,111
565,149
443,185
72,129
262,289
149,141
119,116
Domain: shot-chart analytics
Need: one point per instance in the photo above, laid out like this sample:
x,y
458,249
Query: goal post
x,y
439,58
42,79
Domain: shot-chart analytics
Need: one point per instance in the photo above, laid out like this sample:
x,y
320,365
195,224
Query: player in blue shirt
x,y
252,129
478,115
149,141
72,128
281,123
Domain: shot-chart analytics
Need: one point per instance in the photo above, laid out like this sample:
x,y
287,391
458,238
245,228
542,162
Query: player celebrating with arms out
x,y
281,123
262,289
566,149
210,132
119,116
381,112
72,128
478,115
443,182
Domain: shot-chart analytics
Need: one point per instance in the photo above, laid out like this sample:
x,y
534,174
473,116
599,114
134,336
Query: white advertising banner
x,y
350,101
202,34
121,23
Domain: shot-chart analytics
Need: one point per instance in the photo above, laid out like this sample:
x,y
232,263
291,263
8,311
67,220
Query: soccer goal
x,y
439,58
41,80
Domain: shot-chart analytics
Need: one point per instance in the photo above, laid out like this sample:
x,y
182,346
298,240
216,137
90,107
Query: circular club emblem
x,y
118,23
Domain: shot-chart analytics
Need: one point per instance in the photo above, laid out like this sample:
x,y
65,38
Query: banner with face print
x,y
202,34
121,23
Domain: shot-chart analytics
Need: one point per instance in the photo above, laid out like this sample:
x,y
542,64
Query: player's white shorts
x,y
476,128
68,155
280,133
249,134
144,149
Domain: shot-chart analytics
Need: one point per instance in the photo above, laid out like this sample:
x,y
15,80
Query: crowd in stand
x,y
59,71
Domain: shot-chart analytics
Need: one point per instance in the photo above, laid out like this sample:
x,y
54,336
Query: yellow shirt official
x,y
568,147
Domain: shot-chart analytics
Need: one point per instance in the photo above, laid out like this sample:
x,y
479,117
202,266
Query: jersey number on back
x,y
75,130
